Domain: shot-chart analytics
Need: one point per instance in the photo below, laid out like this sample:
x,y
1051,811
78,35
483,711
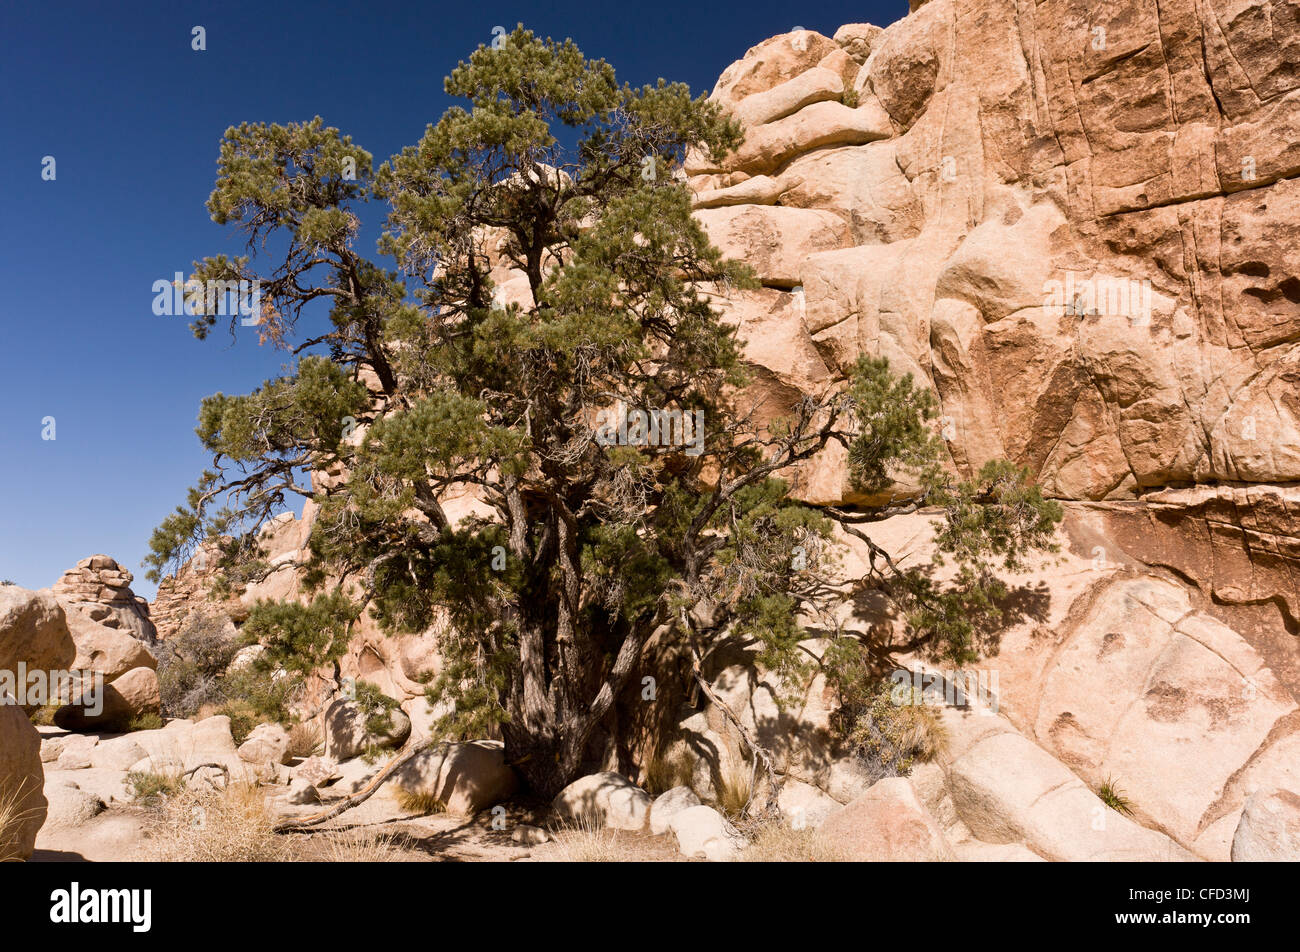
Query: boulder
x,y
347,734
770,63
70,806
526,835
34,631
266,744
818,126
816,85
703,833
606,799
118,753
858,39
1006,789
110,651
318,771
75,751
887,824
22,779
804,805
302,792
669,804
186,744
129,696
466,777
1269,828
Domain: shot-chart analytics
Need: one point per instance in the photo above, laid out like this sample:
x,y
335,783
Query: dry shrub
x,y
231,825
304,738
779,842
12,817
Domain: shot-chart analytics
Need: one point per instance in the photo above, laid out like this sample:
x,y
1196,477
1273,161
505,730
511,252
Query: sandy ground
x,y
374,831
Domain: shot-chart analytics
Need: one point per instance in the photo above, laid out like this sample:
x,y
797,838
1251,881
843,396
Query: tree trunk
x,y
538,761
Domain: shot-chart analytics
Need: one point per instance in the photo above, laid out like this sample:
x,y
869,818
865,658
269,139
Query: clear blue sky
x,y
132,116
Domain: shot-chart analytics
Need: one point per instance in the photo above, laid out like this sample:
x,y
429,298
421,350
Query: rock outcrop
x,y
101,589
1069,222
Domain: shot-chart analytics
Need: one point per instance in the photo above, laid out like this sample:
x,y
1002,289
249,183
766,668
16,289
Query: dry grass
x,y
418,801
216,826
304,738
586,841
12,818
780,843
735,789
664,772
359,846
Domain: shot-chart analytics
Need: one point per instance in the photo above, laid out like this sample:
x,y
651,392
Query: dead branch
x,y
362,795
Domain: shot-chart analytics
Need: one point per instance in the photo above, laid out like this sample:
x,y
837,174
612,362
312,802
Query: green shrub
x,y
145,722
148,786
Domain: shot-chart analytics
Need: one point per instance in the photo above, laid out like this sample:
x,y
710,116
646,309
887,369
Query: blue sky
x,y
132,116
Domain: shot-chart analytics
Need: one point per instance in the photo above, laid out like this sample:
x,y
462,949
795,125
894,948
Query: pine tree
x,y
569,408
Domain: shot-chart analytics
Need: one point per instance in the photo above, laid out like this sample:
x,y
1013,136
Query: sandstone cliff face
x,y
1074,222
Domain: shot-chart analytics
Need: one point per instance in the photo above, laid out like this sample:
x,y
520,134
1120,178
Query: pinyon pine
x,y
431,378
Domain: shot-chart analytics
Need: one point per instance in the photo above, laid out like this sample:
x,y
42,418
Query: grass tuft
x,y
418,801
1113,797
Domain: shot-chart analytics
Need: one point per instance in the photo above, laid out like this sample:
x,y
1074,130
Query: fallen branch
x,y
761,754
222,767
362,795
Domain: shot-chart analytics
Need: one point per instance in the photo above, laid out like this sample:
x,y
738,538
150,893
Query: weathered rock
x,y
74,753
1269,829
302,792
1094,273
703,833
187,744
804,805
70,806
266,744
318,771
605,799
101,589
526,835
466,777
1007,790
858,39
129,696
773,240
33,631
110,651
118,753
886,824
347,733
22,779
668,804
